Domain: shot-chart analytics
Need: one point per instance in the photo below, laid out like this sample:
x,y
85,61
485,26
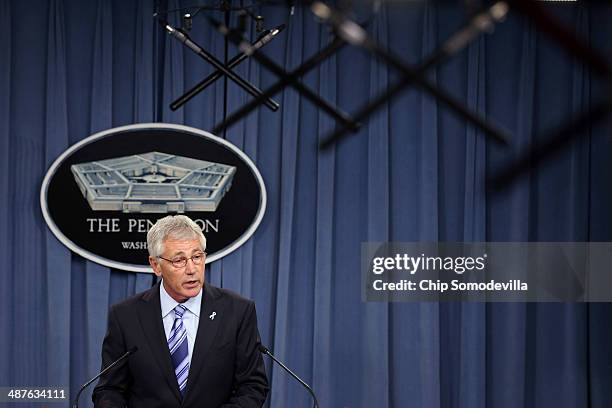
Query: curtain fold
x,y
6,184
26,304
290,119
509,380
173,75
428,143
375,331
325,233
57,256
145,89
97,283
472,344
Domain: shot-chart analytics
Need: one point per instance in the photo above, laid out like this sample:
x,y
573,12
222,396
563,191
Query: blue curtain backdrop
x,y
414,172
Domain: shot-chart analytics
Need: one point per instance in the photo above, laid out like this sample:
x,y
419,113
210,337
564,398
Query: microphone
x,y
264,350
131,351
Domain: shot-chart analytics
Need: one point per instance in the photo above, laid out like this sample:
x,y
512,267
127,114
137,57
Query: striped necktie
x,y
177,343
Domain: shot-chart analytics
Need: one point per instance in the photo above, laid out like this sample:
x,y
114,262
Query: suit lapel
x,y
210,318
149,313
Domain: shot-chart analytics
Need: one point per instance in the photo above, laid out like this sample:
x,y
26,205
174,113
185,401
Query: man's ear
x,y
155,265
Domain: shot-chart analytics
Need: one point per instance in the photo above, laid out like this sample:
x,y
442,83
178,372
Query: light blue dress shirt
x,y
191,318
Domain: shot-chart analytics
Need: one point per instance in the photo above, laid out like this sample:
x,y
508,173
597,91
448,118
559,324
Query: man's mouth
x,y
192,283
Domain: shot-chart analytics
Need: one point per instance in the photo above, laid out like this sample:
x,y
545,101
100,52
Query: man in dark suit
x,y
197,344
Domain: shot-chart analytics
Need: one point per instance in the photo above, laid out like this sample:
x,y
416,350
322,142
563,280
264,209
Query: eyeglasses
x,y
181,262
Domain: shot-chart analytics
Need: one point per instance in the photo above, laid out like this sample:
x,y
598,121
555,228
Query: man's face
x,y
180,283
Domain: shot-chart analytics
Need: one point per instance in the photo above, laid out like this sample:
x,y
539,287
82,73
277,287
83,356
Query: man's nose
x,y
190,267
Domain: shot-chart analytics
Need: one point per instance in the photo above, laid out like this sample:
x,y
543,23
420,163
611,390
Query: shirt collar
x,y
168,304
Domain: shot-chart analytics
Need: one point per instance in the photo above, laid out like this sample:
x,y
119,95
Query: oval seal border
x,y
139,126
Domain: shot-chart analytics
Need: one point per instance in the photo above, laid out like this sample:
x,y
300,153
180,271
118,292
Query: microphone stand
x,y
208,57
264,350
131,351
263,39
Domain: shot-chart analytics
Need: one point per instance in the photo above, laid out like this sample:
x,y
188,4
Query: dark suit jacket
x,y
226,368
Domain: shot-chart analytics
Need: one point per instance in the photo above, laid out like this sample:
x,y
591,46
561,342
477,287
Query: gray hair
x,y
172,226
